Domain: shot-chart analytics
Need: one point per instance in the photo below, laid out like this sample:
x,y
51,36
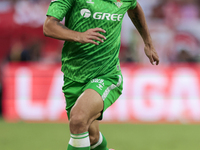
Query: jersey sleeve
x,y
59,8
133,4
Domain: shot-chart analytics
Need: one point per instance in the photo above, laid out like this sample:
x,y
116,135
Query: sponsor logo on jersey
x,y
85,13
118,3
100,15
90,1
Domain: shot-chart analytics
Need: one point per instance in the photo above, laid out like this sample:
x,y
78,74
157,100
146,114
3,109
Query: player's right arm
x,y
54,29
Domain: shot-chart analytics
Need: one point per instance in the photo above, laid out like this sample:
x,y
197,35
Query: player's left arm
x,y
137,17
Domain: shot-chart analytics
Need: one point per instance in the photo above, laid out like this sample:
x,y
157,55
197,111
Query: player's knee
x,y
78,123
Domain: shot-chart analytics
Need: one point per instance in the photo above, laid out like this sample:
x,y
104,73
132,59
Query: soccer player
x,y
90,63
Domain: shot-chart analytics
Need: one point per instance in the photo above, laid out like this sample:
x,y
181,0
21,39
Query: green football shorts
x,y
109,87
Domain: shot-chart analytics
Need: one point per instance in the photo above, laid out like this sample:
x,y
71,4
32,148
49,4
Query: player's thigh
x,y
88,106
109,88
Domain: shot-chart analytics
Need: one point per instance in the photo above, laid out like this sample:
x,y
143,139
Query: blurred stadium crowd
x,y
174,26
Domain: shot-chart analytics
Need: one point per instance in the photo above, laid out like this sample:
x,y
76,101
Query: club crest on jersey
x,y
118,3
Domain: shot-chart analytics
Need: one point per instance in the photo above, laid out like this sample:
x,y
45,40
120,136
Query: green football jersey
x,y
83,62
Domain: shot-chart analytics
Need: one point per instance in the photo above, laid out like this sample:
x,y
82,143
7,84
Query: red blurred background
x,y
174,27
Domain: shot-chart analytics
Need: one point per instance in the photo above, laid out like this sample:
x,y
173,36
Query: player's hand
x,y
90,35
151,54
